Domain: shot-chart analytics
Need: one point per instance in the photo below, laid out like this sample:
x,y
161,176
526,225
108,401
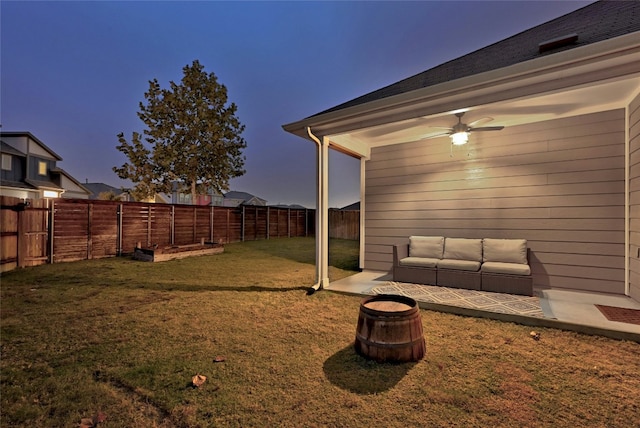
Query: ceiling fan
x,y
459,133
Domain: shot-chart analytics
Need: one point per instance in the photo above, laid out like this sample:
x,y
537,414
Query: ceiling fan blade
x,y
442,134
448,128
480,121
487,128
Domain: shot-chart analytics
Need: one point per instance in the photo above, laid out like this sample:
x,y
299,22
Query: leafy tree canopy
x,y
192,138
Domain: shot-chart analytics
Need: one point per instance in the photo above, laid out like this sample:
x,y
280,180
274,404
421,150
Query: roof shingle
x,y
593,23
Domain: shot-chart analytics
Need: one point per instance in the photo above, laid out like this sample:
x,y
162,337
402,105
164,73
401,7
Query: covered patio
x,y
561,168
562,309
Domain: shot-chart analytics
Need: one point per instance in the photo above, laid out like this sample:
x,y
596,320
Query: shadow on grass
x,y
352,372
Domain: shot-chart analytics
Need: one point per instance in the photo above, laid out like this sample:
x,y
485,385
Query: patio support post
x,y
362,213
627,203
322,212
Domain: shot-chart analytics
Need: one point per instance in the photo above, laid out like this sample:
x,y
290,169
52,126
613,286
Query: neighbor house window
x,y
42,168
6,162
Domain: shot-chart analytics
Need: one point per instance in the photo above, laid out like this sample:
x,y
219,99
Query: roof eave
x,y
577,66
34,138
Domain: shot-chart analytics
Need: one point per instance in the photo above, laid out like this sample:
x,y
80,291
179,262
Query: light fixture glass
x,y
460,138
50,194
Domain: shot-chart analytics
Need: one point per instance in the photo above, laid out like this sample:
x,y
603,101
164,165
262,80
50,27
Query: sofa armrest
x,y
400,251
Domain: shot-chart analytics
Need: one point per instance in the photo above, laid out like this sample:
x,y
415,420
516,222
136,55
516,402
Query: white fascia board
x,y
609,59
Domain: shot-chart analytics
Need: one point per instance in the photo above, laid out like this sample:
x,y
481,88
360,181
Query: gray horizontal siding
x,y
559,184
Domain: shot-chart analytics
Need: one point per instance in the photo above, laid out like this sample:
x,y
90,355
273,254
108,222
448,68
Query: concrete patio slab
x,y
562,309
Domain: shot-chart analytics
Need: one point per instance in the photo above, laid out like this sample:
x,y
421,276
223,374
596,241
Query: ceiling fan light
x,y
460,138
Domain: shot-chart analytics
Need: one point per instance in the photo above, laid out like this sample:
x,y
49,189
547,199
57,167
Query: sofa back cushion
x,y
463,249
426,246
505,250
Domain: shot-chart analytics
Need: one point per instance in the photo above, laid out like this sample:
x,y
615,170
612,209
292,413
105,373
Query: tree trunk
x,y
193,193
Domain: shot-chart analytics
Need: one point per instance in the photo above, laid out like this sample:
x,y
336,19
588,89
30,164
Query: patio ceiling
x,y
584,100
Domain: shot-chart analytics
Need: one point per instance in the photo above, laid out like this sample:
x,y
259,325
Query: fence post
x,y
148,225
194,234
211,224
173,224
256,223
89,237
22,236
51,229
119,230
268,218
242,225
288,222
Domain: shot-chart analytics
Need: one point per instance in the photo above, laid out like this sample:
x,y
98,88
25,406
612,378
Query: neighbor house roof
x,y
352,207
61,172
593,23
32,137
97,188
5,148
247,198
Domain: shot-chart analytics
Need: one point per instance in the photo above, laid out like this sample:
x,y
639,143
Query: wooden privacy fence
x,y
84,229
344,224
24,233
40,231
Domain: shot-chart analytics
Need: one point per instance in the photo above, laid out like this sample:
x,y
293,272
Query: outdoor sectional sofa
x,y
498,265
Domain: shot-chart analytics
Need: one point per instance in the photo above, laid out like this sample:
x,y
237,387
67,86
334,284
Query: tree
x,y
108,196
192,137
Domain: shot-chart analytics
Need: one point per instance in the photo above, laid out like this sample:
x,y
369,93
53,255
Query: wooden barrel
x,y
390,329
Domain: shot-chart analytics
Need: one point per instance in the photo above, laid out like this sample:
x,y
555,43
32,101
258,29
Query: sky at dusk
x,y
73,73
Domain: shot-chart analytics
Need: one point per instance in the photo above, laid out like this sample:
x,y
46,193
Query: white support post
x,y
322,215
362,213
627,203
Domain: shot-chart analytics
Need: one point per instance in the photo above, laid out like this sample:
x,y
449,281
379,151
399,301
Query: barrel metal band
x,y
389,345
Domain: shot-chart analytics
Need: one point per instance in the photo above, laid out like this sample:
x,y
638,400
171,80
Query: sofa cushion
x,y
419,262
469,265
463,249
505,250
506,268
426,246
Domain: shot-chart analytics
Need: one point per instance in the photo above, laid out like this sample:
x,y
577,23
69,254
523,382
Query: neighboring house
x,y
178,196
234,199
30,171
229,199
352,207
99,190
292,206
158,198
563,173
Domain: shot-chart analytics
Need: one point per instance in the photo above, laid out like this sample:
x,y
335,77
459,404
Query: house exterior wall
x,y
634,198
33,171
560,184
19,193
71,189
20,143
17,171
36,149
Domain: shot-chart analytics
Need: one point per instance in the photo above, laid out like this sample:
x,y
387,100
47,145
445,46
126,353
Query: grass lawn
x,y
118,341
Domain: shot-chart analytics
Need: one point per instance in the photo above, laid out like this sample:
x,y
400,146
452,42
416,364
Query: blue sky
x,y
73,73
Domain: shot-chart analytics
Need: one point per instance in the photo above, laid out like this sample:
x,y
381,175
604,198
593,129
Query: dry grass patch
x,y
123,339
